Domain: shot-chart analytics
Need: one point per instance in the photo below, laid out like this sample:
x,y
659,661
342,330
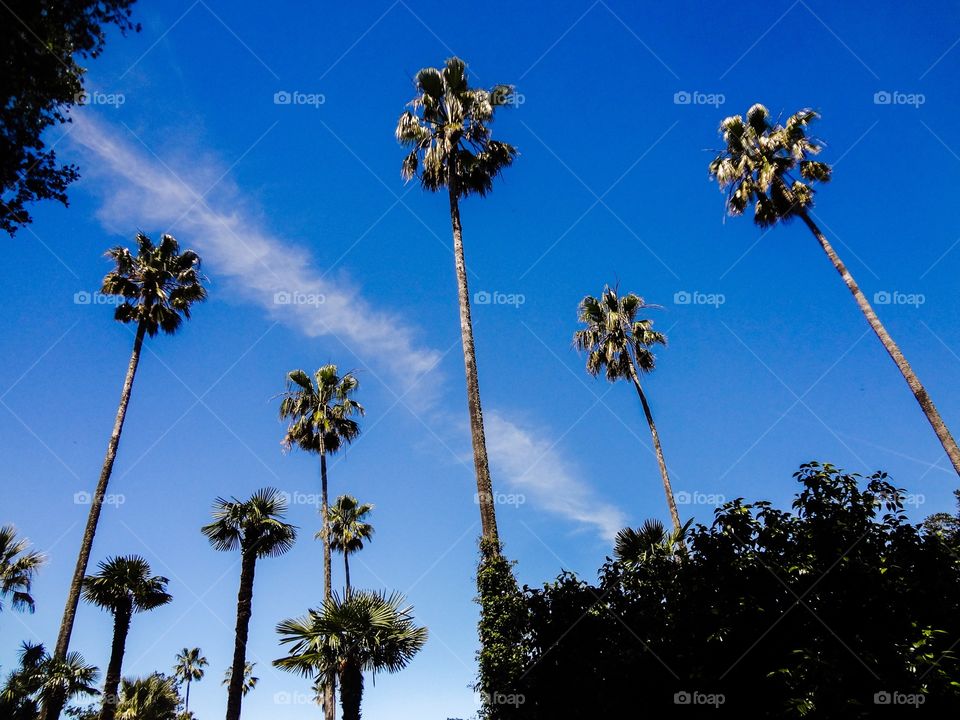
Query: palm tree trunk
x,y
248,565
346,569
54,705
667,488
488,518
329,693
186,699
121,626
351,690
919,391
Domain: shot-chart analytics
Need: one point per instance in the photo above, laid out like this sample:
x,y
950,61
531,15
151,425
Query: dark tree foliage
x,y
40,79
838,609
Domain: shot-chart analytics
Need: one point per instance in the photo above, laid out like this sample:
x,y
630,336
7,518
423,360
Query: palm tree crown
x,y
18,565
256,525
158,284
190,665
125,584
759,164
613,332
151,698
40,676
348,529
448,131
320,410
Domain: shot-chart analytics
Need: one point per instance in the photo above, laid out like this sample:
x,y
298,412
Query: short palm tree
x,y
189,669
151,698
40,677
122,586
620,346
158,285
18,565
362,632
770,166
256,527
448,134
249,679
349,529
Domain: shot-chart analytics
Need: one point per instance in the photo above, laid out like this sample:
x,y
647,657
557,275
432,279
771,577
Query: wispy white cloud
x,y
139,190
531,463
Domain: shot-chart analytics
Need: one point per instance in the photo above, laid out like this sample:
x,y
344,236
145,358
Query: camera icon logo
x,y
882,698
481,298
882,297
682,698
282,298
82,298
682,297
882,97
282,97
81,498
682,98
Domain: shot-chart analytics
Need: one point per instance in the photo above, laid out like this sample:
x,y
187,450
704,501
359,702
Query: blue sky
x,y
771,365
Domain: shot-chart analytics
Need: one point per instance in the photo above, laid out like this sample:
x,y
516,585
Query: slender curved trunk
x,y
248,566
667,488
488,518
346,570
121,626
919,391
186,699
54,705
351,690
329,693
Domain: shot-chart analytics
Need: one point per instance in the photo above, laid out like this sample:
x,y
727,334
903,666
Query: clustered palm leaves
x,y
151,698
39,677
360,632
123,586
18,565
620,345
257,528
448,132
158,284
349,529
771,166
638,545
249,679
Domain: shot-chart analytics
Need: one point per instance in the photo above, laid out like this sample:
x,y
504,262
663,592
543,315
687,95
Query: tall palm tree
x,y
770,166
123,586
362,632
349,529
189,668
249,679
448,133
40,676
619,344
321,414
151,698
158,285
18,565
256,528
